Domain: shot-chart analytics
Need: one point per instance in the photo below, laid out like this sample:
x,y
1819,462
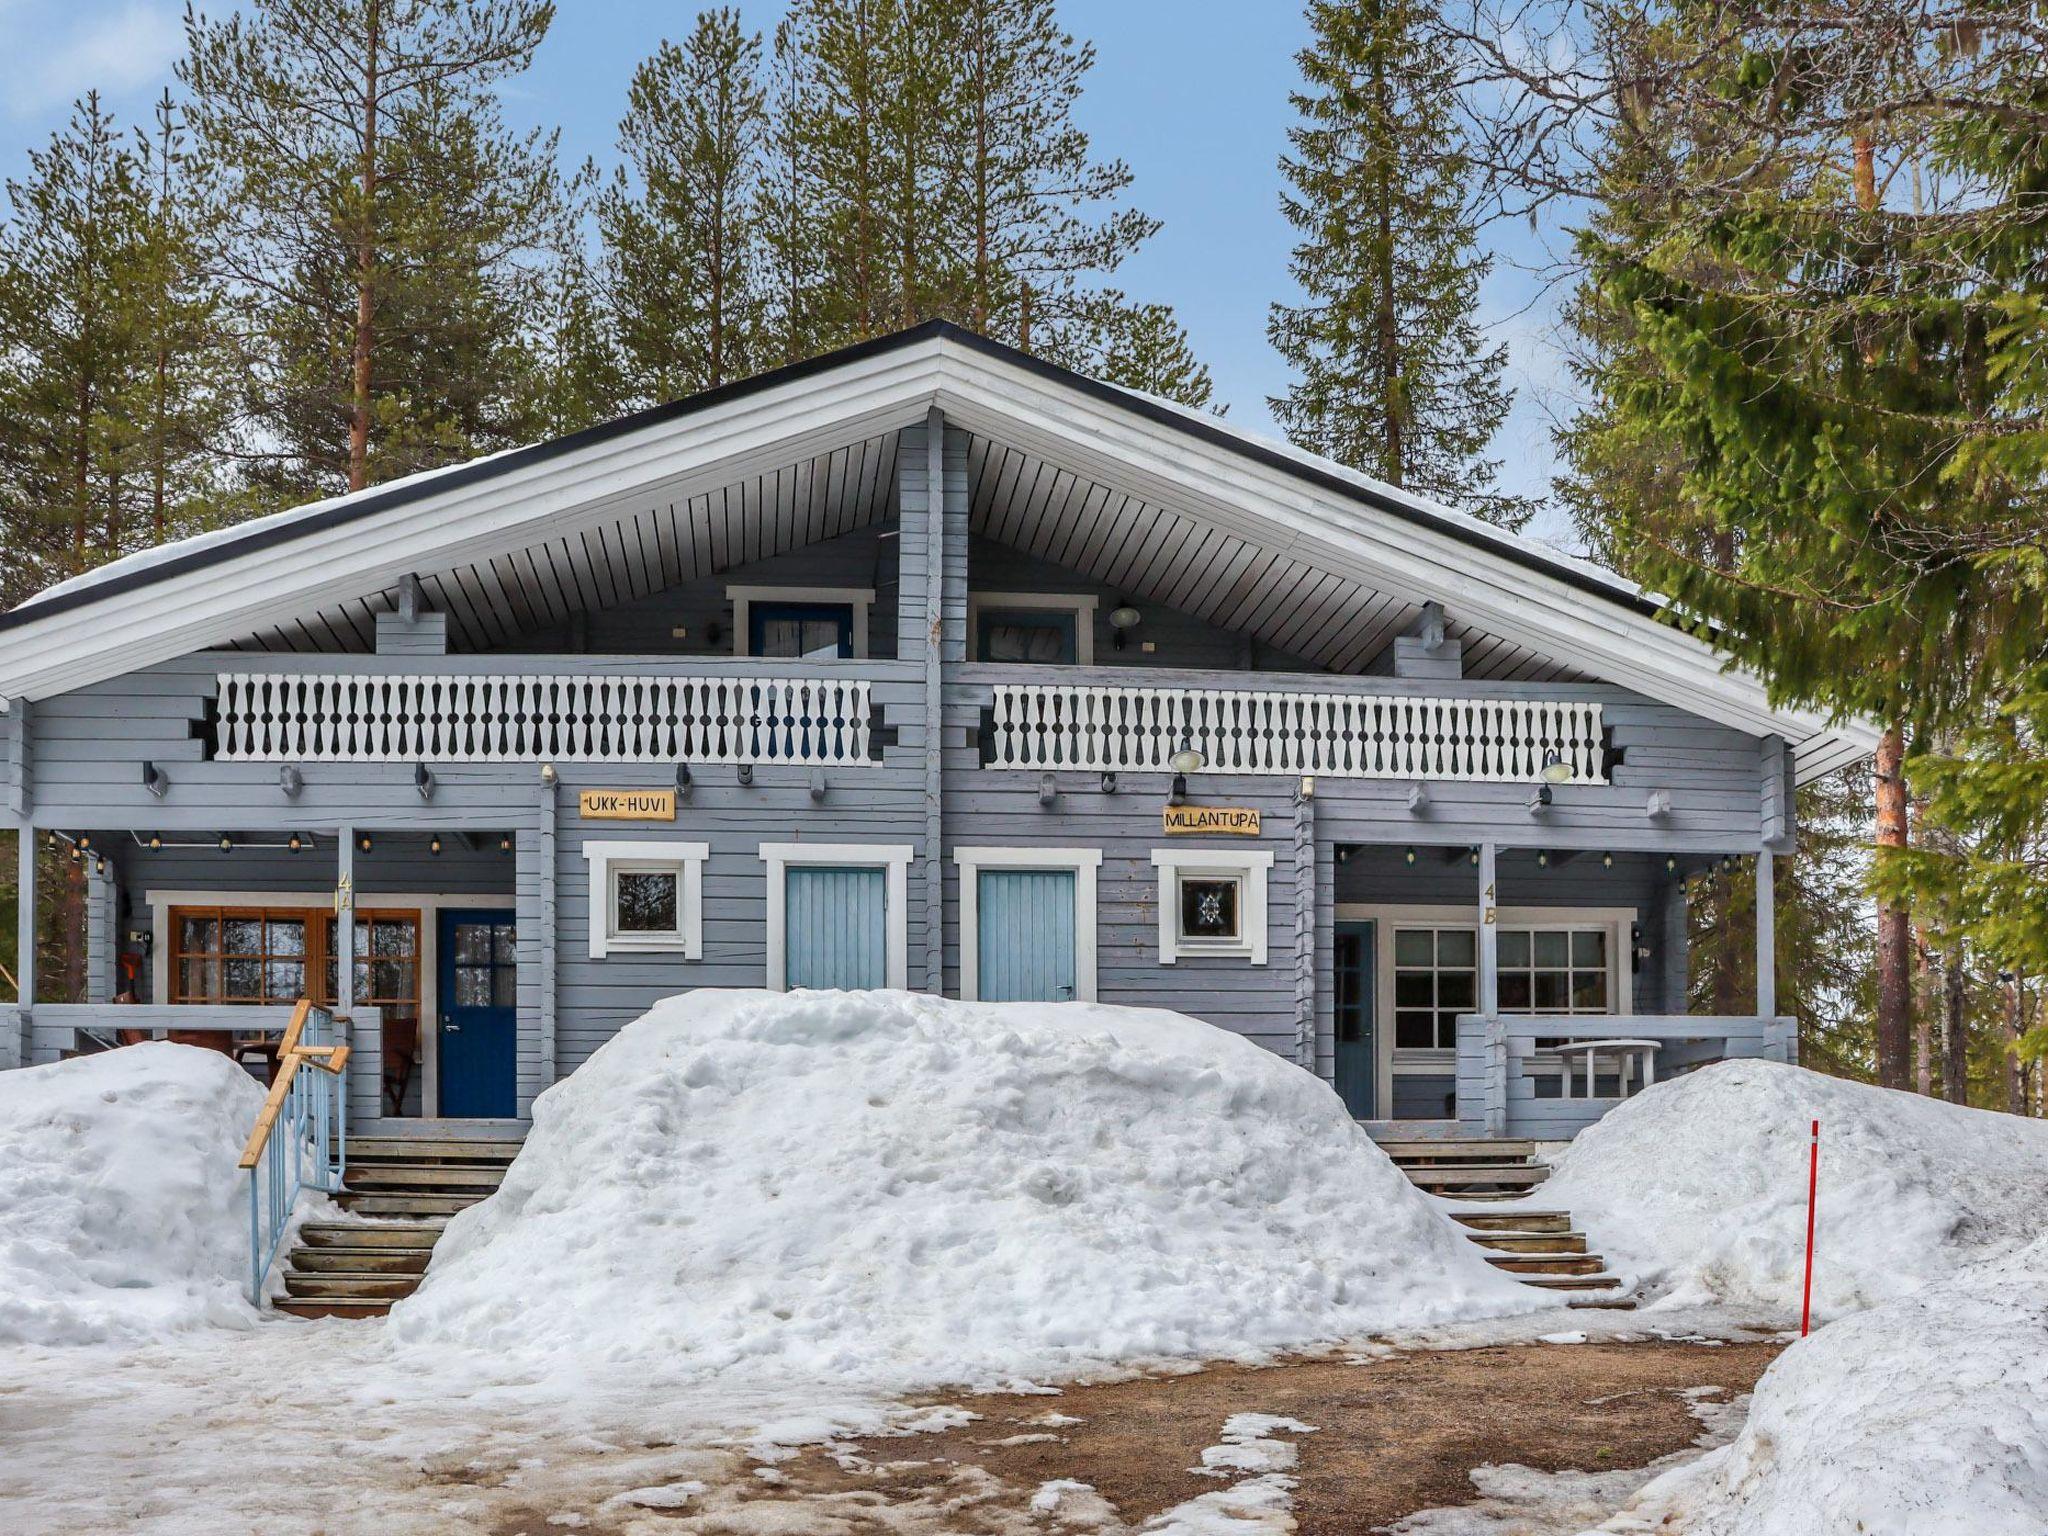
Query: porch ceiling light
x,y
1556,770
294,842
227,844
1123,618
156,842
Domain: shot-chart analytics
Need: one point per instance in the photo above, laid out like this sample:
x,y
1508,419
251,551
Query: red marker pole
x,y
1812,1195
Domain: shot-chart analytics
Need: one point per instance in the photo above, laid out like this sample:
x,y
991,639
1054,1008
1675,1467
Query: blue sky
x,y
1192,93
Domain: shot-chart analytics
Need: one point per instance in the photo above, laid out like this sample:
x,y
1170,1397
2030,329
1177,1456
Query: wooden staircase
x,y
1540,1248
401,1190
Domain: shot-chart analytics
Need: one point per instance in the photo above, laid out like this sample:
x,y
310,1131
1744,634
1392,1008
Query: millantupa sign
x,y
627,805
1231,820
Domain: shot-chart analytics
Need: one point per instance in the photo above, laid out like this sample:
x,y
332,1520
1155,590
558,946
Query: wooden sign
x,y
1229,820
627,805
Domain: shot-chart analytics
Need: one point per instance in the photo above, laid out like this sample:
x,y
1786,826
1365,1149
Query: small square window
x,y
645,901
1210,909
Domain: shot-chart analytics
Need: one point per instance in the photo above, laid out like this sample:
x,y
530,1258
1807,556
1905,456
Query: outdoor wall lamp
x,y
155,780
1122,619
746,773
547,773
1539,799
291,781
682,778
1109,783
1556,770
423,781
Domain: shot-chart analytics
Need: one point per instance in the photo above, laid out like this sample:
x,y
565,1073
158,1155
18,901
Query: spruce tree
x,y
1393,376
681,220
385,233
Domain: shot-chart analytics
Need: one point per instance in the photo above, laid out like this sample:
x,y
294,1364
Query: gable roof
x,y
222,587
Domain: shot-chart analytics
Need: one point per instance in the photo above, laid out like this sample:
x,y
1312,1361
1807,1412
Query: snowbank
x,y
122,1213
887,1189
1928,1414
1698,1186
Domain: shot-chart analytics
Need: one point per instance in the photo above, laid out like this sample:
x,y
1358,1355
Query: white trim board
x,y
1438,1063
429,905
1084,862
892,858
686,859
859,599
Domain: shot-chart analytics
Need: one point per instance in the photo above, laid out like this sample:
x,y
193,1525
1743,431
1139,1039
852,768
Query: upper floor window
x,y
810,631
1047,629
800,623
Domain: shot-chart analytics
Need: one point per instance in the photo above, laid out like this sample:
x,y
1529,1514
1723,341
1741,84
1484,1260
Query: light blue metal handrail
x,y
301,1137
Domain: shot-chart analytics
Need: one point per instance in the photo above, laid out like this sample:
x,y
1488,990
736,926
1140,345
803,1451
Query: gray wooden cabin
x,y
925,664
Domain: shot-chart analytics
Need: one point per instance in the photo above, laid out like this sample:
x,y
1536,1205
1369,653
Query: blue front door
x,y
834,931
1026,946
479,1015
1357,1042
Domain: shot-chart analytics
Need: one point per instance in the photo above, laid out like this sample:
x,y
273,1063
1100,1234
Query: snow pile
x,y
1927,1414
122,1213
891,1189
1698,1186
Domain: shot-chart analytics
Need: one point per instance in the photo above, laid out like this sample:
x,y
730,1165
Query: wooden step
x,y
349,1287
426,1149
1549,1263
1574,1282
360,1261
294,1306
1514,1221
360,1204
1530,1242
362,1234
420,1176
1406,1152
1525,1175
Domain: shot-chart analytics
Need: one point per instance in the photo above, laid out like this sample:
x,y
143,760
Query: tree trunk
x,y
1894,934
1955,1041
2015,1068
366,261
1923,1012
1392,449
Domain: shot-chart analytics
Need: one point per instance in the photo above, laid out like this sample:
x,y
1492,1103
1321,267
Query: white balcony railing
x,y
513,717
1341,735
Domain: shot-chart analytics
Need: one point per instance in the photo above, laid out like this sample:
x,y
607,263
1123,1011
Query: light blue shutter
x,y
1026,946
835,927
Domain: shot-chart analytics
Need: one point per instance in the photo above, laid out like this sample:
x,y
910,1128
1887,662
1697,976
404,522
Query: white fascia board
x,y
277,583
1281,511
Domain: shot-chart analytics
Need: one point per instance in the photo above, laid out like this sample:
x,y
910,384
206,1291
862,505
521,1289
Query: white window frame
x,y
1250,869
893,859
684,860
1436,1062
1080,604
859,599
1083,862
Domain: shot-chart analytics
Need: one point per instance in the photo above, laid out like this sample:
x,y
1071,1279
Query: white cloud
x,y
53,54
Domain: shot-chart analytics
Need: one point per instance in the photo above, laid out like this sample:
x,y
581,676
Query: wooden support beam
x,y
1766,936
1489,933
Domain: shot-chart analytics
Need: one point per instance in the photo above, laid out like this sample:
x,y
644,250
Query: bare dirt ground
x,y
1393,1436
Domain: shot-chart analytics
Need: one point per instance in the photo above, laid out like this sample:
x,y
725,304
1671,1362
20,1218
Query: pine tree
x,y
75,371
380,224
1393,376
681,231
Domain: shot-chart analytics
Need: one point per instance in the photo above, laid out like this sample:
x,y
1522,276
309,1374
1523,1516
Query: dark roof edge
x,y
1213,433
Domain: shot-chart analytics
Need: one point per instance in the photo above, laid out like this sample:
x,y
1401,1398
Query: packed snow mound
x,y
122,1212
894,1190
1928,1414
1698,1186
